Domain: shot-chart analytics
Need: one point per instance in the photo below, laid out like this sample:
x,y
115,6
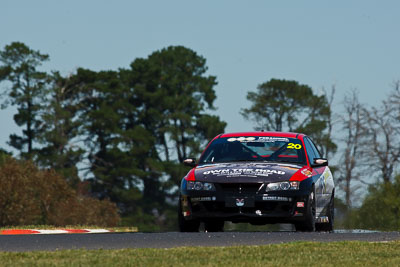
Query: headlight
x,y
294,185
200,186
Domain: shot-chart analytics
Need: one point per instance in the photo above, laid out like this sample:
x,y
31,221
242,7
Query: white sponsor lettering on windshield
x,y
243,172
258,139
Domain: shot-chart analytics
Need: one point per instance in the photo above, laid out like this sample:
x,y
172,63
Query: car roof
x,y
262,133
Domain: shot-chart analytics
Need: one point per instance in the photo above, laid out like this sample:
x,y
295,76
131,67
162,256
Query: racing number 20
x,y
294,146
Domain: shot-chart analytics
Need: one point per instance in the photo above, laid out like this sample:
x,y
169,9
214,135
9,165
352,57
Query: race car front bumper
x,y
262,208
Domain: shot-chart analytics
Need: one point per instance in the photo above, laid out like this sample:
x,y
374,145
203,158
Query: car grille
x,y
243,190
236,188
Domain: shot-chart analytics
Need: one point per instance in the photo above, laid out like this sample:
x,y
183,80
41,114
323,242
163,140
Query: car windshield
x,y
254,148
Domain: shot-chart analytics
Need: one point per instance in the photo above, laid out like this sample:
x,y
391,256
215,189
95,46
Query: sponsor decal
x,y
258,212
294,146
203,198
306,172
240,202
243,172
272,139
290,168
259,139
322,219
241,139
276,198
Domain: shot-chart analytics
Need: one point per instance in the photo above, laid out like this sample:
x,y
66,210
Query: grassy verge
x,y
50,227
290,254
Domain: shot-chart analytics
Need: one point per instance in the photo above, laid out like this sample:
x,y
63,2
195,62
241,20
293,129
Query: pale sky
x,y
349,44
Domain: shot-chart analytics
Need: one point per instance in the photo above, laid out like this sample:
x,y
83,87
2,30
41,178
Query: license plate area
x,y
247,202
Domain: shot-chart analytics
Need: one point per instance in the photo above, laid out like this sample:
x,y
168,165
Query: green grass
x,y
289,254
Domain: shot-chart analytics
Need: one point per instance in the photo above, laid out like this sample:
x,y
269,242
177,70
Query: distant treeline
x,y
124,133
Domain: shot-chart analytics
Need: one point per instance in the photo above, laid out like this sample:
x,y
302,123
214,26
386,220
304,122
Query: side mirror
x,y
320,162
190,162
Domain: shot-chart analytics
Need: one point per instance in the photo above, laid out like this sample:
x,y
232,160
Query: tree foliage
x,y
137,125
115,144
381,208
125,131
59,132
27,91
173,93
284,105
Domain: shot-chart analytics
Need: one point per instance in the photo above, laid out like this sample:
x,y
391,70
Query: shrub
x,y
381,207
32,196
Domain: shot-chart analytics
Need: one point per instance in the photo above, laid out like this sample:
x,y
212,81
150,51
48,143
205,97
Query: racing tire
x,y
186,225
309,224
328,227
214,226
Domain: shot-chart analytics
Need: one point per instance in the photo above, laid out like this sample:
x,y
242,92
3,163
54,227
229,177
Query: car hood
x,y
245,172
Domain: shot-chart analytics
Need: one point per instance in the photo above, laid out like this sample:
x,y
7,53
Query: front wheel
x,y
309,224
186,225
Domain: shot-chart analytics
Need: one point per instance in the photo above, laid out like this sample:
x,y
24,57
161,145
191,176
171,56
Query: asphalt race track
x,y
175,239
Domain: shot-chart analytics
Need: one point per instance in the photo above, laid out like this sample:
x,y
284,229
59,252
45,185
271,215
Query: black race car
x,y
259,178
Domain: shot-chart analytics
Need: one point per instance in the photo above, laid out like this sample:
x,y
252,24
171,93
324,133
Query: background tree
x,y
383,131
283,105
172,91
60,131
101,113
353,125
328,147
380,209
138,124
27,91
